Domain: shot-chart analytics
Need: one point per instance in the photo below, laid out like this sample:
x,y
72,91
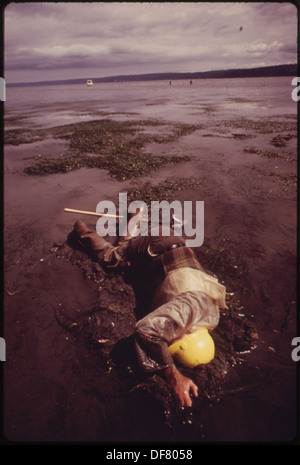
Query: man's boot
x,y
93,244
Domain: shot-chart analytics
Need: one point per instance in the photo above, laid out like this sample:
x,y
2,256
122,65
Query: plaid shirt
x,y
177,258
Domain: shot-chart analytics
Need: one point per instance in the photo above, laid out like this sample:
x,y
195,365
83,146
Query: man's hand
x,y
181,385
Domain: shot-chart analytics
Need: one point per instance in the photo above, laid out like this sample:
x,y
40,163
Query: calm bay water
x,y
45,106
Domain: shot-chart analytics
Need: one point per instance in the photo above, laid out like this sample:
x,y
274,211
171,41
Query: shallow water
x,y
213,99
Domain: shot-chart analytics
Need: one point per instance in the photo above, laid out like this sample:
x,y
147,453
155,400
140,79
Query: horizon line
x,y
155,76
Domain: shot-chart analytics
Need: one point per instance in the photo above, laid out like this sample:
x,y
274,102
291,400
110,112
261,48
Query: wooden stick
x,y
71,210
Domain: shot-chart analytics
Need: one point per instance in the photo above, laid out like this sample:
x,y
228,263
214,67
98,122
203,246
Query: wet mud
x,y
71,373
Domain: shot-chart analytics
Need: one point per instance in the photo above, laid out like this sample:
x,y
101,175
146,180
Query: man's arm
x,y
181,385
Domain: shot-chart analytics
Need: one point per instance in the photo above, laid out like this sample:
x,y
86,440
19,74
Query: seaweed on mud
x,y
242,136
23,136
281,141
261,125
105,144
120,166
267,153
164,190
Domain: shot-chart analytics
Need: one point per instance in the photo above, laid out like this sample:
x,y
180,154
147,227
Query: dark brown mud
x,y
71,371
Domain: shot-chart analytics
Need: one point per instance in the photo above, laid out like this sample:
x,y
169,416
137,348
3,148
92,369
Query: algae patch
x,y
262,125
105,144
269,154
164,190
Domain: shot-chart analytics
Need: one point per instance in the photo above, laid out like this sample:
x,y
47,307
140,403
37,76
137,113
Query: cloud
x,y
50,40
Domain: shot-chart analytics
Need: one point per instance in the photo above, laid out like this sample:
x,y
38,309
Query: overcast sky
x,y
48,41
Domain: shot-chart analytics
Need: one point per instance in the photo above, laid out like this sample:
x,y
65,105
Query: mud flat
x,y
70,373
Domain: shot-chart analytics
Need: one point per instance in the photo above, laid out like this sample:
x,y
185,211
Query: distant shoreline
x,y
266,71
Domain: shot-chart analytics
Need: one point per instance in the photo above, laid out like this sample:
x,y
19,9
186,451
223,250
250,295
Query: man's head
x,y
194,349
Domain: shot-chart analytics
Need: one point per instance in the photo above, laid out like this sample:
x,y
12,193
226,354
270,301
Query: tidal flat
x,y
71,372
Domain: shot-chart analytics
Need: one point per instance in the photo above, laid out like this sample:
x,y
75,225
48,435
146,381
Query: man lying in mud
x,y
185,304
